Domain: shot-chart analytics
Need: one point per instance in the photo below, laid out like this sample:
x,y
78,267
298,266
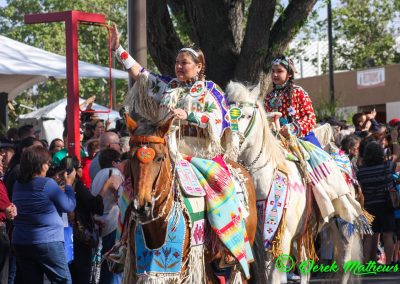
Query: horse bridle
x,y
146,140
249,128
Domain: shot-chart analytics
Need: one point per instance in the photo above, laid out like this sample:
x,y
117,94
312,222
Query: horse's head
x,y
243,107
252,127
150,170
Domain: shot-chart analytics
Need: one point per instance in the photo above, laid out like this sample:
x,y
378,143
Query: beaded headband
x,y
287,63
190,50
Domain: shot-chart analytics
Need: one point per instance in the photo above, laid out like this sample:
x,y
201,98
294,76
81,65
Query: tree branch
x,y
286,28
162,39
255,43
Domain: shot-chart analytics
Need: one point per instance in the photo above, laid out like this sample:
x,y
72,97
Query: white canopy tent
x,y
22,66
49,119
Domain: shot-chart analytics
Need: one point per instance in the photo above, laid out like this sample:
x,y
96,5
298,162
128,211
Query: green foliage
x,y
182,27
307,32
364,34
325,109
93,44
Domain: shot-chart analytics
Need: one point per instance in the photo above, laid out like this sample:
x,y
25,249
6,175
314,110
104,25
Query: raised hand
x,y
115,35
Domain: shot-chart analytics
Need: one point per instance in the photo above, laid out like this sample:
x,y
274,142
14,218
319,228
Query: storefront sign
x,y
371,78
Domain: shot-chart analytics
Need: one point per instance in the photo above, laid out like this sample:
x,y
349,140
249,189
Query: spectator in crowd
x,y
26,131
7,211
99,128
88,132
385,143
394,122
10,178
44,142
375,175
351,146
56,145
12,134
7,150
86,206
125,144
364,123
107,140
92,147
14,165
111,165
38,236
57,157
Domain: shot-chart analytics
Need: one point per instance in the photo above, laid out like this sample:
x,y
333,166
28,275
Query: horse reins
x,y
248,130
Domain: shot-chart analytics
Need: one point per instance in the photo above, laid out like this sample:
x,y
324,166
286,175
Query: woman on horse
x,y
198,105
292,101
201,114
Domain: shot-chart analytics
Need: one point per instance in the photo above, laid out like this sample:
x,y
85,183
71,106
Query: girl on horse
x,y
292,101
297,120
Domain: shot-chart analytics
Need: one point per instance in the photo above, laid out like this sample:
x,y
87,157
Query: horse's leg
x,y
259,268
346,250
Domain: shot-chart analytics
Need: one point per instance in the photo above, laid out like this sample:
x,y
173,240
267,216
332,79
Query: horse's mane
x,y
236,92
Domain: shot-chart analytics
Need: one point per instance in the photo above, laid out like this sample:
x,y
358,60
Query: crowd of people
x,y
43,190
373,149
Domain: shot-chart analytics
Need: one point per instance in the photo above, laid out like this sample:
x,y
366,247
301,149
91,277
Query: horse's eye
x,y
159,159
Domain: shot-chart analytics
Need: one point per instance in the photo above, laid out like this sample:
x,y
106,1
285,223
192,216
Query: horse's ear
x,y
130,123
164,129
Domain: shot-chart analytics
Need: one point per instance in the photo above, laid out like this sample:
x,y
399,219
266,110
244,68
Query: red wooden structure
x,y
71,19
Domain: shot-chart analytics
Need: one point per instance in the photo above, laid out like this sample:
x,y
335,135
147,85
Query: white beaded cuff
x,y
124,57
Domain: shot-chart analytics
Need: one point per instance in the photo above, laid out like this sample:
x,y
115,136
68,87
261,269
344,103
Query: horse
x,y
156,194
261,153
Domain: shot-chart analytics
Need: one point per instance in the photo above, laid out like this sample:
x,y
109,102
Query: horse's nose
x,y
142,211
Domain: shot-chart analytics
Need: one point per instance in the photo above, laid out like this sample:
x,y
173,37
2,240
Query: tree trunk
x,y
217,28
162,40
256,40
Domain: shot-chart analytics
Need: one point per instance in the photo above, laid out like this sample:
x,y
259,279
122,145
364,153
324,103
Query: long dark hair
x,y
27,142
373,154
32,160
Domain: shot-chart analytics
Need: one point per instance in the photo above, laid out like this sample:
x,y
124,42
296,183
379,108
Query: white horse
x,y
261,153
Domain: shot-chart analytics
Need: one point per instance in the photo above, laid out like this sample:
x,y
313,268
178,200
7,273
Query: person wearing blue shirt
x,y
38,236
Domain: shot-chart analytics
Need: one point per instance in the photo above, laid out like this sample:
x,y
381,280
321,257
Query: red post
x,y
71,19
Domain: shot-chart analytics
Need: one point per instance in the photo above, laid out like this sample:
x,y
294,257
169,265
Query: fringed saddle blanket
x,y
223,209
330,189
166,261
271,209
344,163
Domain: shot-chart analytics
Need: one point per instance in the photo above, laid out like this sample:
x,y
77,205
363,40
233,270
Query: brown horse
x,y
153,193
